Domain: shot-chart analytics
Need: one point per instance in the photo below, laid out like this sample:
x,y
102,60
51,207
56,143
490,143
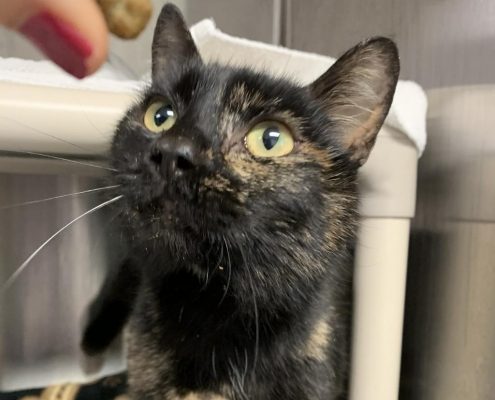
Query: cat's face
x,y
220,152
209,148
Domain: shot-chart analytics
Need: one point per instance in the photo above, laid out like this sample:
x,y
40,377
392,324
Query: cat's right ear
x,y
172,41
356,92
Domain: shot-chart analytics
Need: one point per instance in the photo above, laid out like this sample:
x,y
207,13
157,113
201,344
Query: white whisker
x,y
23,266
96,128
57,197
256,315
246,367
256,321
61,159
213,366
218,265
229,266
44,133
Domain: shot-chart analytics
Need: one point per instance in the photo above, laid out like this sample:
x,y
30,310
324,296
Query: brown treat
x,y
126,18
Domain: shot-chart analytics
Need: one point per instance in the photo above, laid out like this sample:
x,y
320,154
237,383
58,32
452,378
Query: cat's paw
x,y
91,364
90,359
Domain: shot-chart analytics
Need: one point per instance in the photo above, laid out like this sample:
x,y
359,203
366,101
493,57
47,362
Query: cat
x,y
239,211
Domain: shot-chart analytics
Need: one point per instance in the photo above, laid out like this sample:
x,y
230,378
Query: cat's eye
x,y
269,139
160,116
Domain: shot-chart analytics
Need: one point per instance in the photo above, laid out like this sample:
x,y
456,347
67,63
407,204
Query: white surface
x,y
407,114
68,122
58,370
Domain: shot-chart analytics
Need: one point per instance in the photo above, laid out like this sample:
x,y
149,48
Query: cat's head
x,y
214,152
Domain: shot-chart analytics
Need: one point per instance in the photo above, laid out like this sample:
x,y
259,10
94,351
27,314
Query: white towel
x,y
48,74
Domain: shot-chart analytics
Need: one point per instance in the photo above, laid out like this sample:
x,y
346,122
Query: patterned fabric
x,y
110,388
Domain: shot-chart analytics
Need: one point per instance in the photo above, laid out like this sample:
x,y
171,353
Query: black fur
x,y
238,278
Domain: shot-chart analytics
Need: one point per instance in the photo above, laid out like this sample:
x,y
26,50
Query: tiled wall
x,y
442,43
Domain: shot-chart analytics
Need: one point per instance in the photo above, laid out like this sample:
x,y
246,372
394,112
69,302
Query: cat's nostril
x,y
183,163
156,157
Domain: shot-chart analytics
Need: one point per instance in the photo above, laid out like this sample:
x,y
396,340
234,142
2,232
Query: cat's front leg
x,y
110,310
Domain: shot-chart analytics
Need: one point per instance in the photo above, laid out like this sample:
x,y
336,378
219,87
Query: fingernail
x,y
61,42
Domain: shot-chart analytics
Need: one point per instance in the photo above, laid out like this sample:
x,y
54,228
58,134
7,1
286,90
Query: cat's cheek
x,y
311,153
217,183
240,169
130,155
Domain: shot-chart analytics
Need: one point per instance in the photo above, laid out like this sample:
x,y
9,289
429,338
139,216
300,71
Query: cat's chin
x,y
180,218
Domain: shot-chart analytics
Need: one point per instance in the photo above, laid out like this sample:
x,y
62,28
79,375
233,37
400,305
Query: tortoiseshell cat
x,y
240,212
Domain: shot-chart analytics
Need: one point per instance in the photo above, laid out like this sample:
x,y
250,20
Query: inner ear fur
x,y
356,92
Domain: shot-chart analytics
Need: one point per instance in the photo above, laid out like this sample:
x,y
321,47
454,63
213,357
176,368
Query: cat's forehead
x,y
233,88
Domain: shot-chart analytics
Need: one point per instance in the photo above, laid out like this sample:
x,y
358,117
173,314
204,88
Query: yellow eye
x,y
269,139
159,117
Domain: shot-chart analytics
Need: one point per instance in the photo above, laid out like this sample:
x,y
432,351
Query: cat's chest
x,y
191,317
155,371
190,339
182,339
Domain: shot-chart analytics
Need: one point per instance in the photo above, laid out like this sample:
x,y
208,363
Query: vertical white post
x,y
379,293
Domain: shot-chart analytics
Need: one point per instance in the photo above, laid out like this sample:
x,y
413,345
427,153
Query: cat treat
x,y
126,18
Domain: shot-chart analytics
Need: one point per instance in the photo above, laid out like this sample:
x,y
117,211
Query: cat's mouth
x,y
206,205
199,207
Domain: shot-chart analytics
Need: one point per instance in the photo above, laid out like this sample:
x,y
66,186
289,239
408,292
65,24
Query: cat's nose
x,y
175,155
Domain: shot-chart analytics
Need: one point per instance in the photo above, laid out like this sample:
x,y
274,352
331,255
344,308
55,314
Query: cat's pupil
x,y
162,114
270,137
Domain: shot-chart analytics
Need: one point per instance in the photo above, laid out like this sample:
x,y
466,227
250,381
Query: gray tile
x,y
441,43
252,19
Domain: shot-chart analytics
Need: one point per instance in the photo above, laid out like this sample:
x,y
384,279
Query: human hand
x,y
72,33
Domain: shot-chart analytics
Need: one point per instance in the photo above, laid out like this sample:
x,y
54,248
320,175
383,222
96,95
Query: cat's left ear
x,y
172,41
357,91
